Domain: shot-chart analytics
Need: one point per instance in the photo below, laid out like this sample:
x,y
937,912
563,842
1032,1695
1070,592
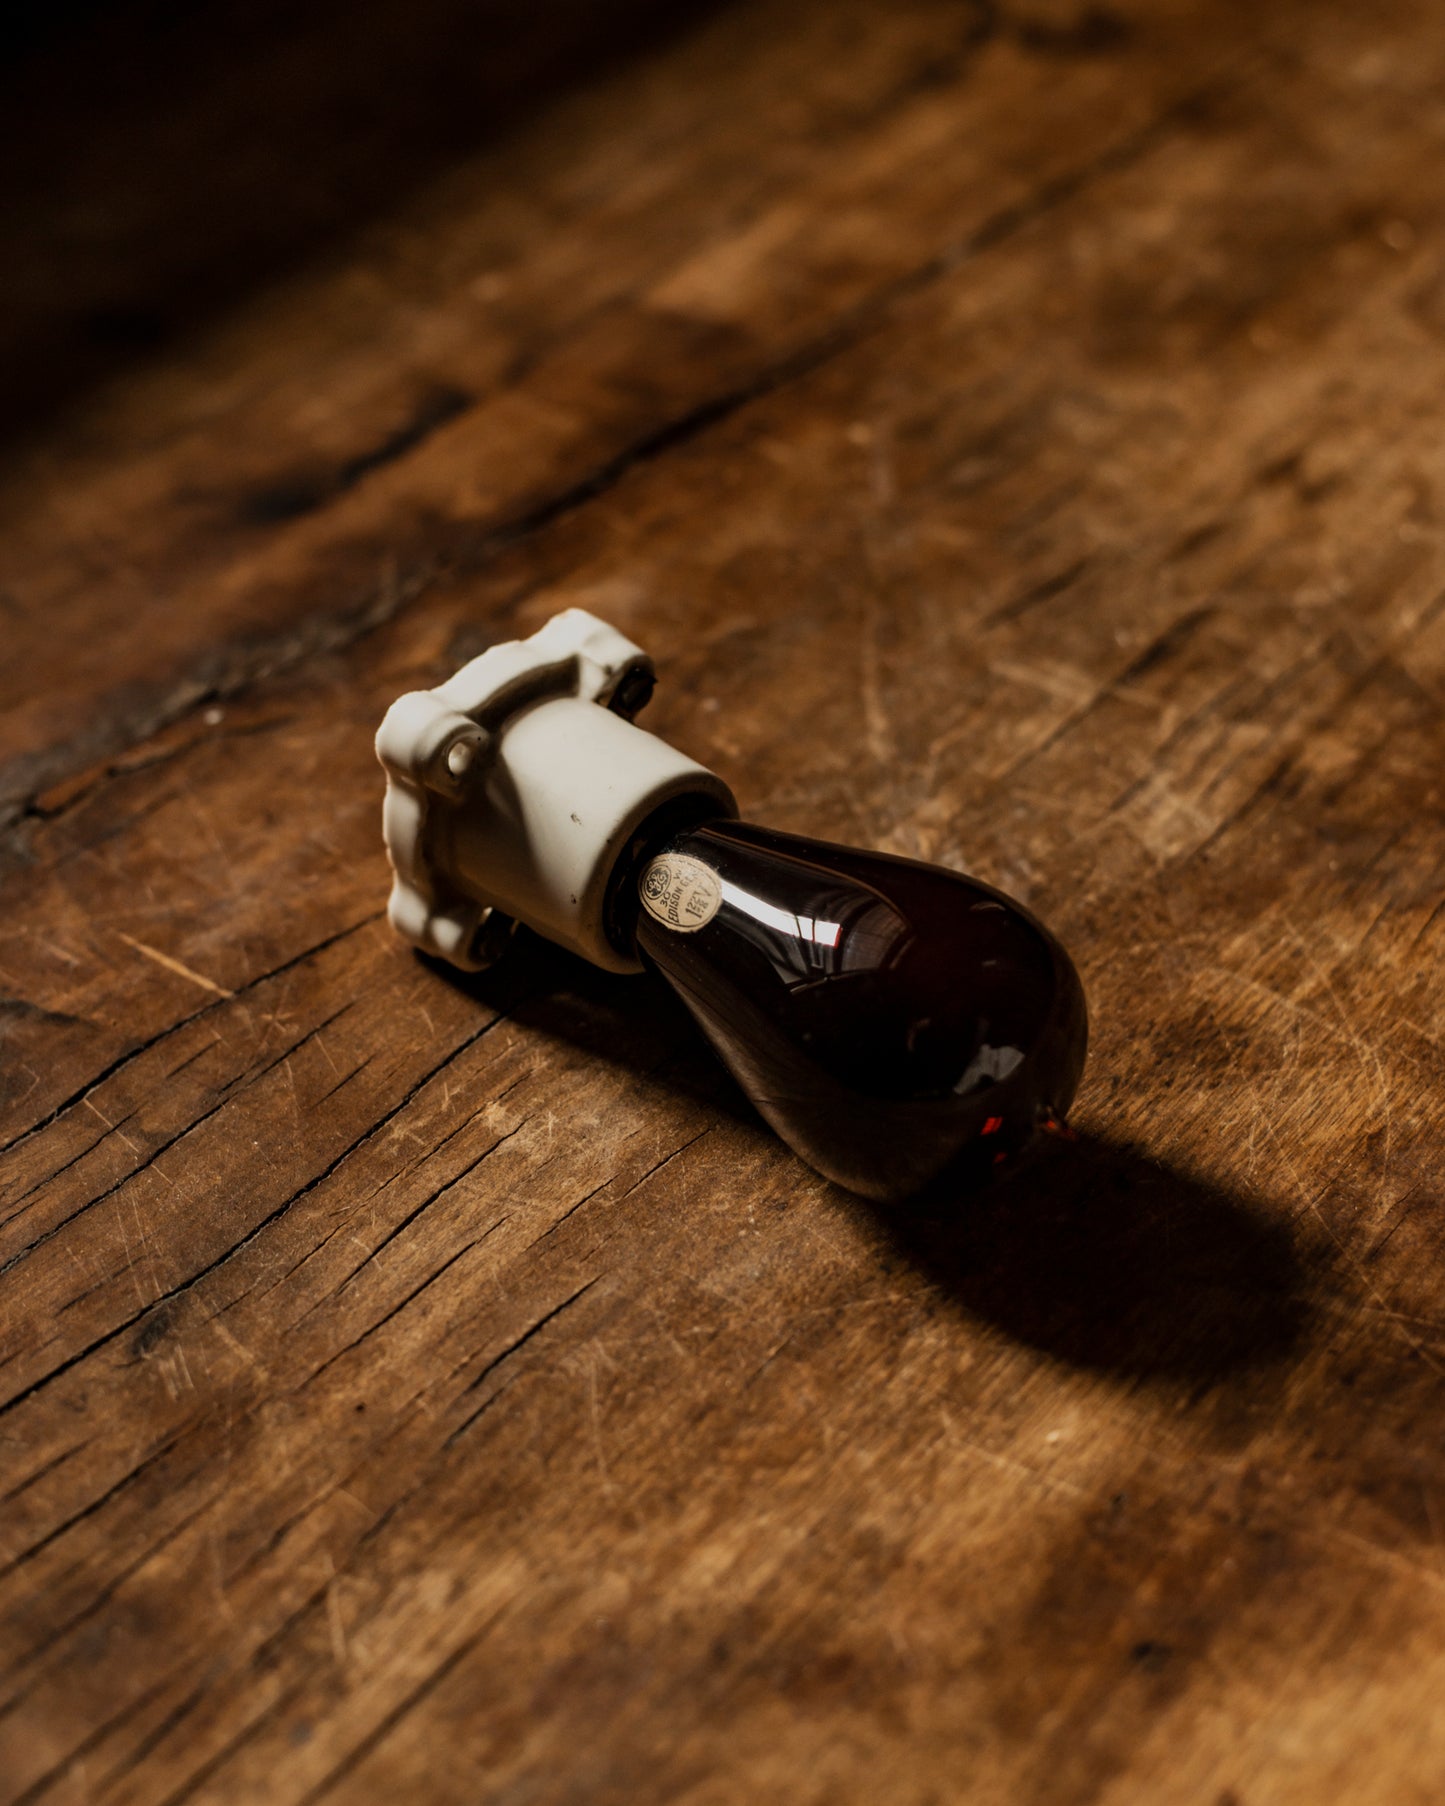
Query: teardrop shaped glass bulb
x,y
892,1021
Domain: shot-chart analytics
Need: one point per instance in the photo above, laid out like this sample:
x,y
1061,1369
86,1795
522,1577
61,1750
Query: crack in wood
x,y
240,1085
401,1305
124,1059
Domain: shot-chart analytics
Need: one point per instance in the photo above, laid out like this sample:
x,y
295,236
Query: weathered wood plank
x,y
650,254
447,1389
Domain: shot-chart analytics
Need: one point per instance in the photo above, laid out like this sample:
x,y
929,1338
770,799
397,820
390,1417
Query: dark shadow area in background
x,y
158,160
1088,1251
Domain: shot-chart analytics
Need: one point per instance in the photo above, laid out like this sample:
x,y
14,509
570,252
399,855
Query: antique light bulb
x,y
894,1022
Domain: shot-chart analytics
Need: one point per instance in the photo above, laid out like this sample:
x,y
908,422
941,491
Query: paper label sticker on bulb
x,y
680,892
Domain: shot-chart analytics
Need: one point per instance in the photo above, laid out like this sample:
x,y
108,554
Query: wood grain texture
x,y
1017,435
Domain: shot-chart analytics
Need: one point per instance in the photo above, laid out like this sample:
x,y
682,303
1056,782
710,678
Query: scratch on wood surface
x,y
1430,921
571,1210
369,1134
75,1159
348,1497
343,1081
667,1160
878,728
768,1359
191,1058
492,1398
238,1347
73,1766
145,1243
393,1718
432,1197
133,1053
1368,1056
149,1163
1010,1464
174,965
402,1303
1042,590
1352,1260
336,1623
1399,1214
513,1347
1395,1559
1432,1517
608,1484
47,1467
34,1078
127,1480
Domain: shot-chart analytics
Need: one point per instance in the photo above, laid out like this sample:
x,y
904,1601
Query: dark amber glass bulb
x,y
894,1022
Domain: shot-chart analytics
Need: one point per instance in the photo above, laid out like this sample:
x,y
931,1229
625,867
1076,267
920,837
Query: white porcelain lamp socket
x,y
513,789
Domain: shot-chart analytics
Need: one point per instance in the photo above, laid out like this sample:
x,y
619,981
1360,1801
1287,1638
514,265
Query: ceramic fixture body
x,y
513,788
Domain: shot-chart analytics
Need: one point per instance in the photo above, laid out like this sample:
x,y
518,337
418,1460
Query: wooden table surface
x,y
1017,433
